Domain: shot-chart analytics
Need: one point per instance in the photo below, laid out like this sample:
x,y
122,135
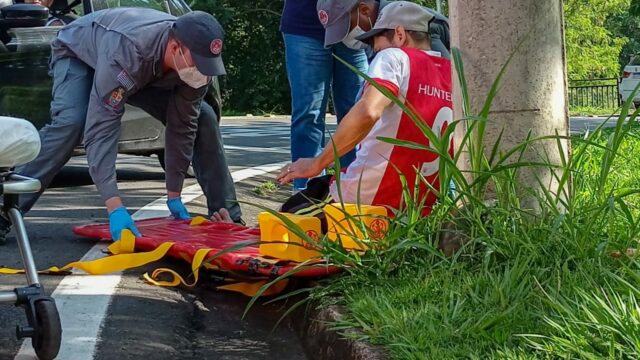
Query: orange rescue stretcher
x,y
253,260
229,246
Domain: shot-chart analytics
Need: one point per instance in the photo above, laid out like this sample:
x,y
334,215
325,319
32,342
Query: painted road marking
x,y
83,300
274,150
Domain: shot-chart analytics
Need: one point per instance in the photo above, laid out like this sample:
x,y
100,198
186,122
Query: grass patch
x,y
558,278
523,287
267,188
540,284
590,110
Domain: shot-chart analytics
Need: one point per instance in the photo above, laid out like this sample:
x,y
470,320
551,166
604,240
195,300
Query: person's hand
x,y
177,209
119,219
300,169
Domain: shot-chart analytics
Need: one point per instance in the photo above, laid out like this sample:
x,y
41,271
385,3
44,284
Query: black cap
x,y
203,35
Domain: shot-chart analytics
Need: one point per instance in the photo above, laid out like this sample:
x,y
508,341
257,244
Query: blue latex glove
x,y
177,209
119,219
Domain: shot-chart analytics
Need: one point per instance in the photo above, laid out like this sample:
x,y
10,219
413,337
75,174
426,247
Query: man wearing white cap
x,y
405,66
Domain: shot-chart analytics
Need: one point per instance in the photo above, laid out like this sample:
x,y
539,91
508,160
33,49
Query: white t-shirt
x,y
423,80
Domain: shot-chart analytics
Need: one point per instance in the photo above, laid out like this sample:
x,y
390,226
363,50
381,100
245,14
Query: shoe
x,y
5,228
239,221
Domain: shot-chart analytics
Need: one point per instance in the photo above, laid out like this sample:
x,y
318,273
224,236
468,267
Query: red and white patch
x,y
379,229
216,47
323,16
314,236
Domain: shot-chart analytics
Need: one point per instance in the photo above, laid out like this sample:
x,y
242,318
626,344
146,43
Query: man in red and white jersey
x,y
421,78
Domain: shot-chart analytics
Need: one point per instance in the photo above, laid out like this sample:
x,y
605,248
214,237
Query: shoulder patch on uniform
x,y
115,97
125,80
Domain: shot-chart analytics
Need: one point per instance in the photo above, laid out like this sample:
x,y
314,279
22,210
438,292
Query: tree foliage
x,y
600,36
593,50
432,4
627,25
253,52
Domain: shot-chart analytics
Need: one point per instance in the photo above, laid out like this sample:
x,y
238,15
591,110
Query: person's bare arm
x,y
353,128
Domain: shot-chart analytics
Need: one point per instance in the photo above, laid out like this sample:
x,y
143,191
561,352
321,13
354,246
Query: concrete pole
x,y
439,6
533,95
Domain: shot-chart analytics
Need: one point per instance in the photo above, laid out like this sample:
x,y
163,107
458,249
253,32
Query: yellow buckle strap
x,y
125,258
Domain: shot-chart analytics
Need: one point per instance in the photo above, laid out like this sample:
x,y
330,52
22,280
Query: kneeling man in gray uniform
x,y
152,60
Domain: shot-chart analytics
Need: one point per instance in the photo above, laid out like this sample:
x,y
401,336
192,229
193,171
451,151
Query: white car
x,y
629,81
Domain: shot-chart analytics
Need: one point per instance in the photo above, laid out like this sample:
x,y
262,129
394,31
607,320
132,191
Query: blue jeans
x,y
313,74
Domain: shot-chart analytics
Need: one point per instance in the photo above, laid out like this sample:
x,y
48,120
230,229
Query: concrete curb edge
x,y
321,343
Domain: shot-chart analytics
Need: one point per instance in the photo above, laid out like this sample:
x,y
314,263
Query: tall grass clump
x,y
537,272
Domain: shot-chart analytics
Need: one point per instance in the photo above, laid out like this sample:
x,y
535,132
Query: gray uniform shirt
x,y
125,47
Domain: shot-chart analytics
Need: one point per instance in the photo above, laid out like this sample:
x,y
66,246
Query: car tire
x,y
190,172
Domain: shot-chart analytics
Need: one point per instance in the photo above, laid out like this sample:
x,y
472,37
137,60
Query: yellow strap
x,y
124,258
198,220
246,288
126,245
8,271
176,278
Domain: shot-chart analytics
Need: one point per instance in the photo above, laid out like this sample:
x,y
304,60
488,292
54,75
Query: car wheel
x,y
190,172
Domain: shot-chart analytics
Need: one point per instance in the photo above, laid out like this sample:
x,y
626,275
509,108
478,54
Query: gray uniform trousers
x,y
72,82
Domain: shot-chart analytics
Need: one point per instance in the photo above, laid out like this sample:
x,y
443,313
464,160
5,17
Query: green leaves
x,y
592,47
254,55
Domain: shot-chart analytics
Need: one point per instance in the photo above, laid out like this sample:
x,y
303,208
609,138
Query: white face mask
x,y
350,40
190,75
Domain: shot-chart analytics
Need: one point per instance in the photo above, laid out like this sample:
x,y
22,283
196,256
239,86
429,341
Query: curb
x,y
321,343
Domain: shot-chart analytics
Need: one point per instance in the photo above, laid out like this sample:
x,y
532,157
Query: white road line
x,y
83,301
276,150
158,207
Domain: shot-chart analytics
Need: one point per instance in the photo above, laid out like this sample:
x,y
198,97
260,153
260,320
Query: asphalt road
x,y
120,316
140,320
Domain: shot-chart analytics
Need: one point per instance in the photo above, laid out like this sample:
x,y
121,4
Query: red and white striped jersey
x,y
423,80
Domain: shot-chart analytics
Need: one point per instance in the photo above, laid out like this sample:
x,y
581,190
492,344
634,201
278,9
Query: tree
x,y
253,53
627,25
531,99
592,49
432,4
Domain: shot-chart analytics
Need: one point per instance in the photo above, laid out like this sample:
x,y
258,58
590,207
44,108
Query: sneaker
x,y
5,228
